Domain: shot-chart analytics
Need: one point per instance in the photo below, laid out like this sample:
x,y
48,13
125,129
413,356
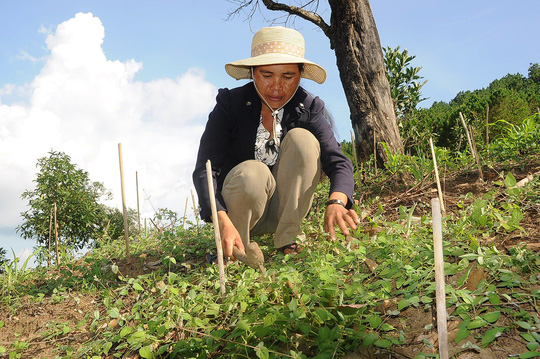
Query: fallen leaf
x,y
476,276
372,265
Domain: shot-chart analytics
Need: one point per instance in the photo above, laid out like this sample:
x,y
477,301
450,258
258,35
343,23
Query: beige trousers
x,y
261,201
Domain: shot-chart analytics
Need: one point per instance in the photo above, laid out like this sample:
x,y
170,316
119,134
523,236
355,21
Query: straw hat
x,y
276,45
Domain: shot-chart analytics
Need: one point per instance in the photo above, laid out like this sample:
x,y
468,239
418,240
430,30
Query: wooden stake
x,y
49,244
185,213
468,135
375,151
56,236
126,228
439,190
216,226
478,164
138,210
358,173
440,294
195,209
487,126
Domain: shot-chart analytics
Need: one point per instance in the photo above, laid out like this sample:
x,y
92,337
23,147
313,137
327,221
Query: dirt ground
x,y
42,324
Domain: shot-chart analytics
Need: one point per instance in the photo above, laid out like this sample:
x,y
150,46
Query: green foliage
x,y
59,183
166,218
11,274
111,222
517,141
404,81
505,102
534,73
3,259
324,302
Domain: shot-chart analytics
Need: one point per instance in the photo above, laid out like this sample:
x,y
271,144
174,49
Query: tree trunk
x,y
354,38
360,61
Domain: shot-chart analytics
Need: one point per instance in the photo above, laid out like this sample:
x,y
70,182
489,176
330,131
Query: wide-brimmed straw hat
x,y
276,45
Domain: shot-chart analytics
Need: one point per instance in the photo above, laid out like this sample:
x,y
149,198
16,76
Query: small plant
x,y
517,141
13,273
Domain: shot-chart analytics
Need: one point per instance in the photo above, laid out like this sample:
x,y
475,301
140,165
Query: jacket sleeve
x,y
213,147
335,164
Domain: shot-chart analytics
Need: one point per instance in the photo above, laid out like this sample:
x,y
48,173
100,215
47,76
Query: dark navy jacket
x,y
229,139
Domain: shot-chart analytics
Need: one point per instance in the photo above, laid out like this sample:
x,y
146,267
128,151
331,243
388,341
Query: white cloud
x,y
84,104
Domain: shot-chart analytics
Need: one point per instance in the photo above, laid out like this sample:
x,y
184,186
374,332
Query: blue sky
x,y
145,74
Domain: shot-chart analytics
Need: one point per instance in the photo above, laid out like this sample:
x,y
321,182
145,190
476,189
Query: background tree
x,y
534,73
506,101
355,40
112,223
405,82
3,259
405,85
61,184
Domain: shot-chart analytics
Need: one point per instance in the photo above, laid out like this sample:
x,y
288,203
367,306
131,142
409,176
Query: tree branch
x,y
243,5
300,12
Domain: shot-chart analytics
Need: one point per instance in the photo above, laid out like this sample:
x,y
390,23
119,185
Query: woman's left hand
x,y
337,215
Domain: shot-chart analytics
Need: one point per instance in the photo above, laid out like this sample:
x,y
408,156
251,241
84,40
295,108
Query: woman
x,y
268,141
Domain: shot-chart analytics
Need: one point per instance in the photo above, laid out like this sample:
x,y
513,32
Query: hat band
x,y
280,47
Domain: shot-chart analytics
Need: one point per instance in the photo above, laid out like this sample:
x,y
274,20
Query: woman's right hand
x,y
230,237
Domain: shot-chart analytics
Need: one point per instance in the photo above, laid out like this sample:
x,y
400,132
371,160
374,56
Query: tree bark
x,y
360,62
354,38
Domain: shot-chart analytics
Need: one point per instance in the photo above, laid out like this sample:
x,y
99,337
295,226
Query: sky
x,y
81,77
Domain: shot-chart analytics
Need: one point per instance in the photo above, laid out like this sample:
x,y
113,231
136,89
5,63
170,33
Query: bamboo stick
x,y
195,209
49,244
468,135
138,210
355,156
56,236
487,126
126,229
216,226
478,164
375,151
442,315
185,213
439,190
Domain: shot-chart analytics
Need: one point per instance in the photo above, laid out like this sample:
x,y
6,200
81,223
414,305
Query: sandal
x,y
292,248
212,259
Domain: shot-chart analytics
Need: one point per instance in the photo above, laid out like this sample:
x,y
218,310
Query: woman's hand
x,y
230,237
337,215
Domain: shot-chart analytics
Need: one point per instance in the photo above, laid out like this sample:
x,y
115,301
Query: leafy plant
x,y
517,141
404,80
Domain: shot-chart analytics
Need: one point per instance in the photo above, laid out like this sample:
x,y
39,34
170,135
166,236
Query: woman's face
x,y
277,83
